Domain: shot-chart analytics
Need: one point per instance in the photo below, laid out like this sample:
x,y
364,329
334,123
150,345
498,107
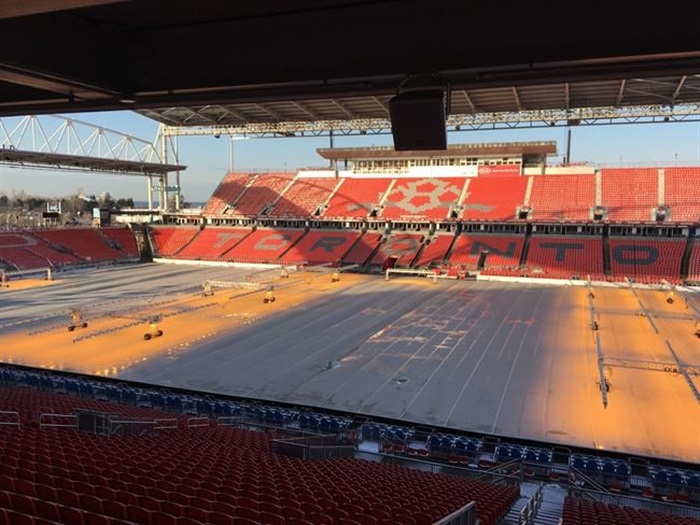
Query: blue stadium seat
x,y
660,477
143,400
676,478
446,443
503,452
86,389
47,382
157,400
622,469
222,409
174,403
591,465
608,466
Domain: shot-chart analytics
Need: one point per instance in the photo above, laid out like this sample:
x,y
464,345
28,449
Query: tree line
x,y
21,209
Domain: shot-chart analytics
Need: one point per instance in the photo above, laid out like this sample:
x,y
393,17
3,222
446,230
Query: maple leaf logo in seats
x,y
424,194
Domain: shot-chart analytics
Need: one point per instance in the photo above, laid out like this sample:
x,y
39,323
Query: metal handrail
x,y
72,417
465,515
196,422
587,479
15,423
636,502
168,423
528,513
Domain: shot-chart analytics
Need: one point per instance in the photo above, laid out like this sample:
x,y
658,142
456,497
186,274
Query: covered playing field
x,y
511,359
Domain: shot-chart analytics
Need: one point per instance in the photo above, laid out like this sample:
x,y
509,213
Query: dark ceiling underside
x,y
202,62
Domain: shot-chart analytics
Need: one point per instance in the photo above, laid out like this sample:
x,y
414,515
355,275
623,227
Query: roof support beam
x,y
270,111
161,116
475,122
195,114
469,100
306,110
46,81
380,103
343,108
517,98
677,91
235,114
621,91
15,8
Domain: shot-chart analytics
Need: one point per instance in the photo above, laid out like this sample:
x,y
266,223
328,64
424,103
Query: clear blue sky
x,y
207,158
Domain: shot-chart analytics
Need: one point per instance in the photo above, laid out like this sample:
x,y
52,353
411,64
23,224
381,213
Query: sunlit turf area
x,y
488,357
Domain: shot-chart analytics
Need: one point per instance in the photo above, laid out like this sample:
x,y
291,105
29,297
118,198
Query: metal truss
x,y
656,366
54,141
603,382
458,122
685,370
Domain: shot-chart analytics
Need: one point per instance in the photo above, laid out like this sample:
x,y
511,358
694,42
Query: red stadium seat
x,y
17,518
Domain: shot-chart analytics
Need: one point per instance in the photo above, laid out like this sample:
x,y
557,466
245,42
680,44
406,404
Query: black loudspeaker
x,y
418,120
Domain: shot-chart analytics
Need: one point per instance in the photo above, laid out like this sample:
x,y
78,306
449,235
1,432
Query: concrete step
x,y
550,510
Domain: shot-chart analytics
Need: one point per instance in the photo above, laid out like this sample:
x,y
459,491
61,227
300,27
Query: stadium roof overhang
x,y
278,67
454,150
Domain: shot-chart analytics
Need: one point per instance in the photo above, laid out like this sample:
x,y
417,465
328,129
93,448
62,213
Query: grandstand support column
x,y
164,156
149,182
526,246
661,188
163,181
162,195
230,153
178,197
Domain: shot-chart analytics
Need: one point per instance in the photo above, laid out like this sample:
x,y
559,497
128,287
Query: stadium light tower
x,y
230,150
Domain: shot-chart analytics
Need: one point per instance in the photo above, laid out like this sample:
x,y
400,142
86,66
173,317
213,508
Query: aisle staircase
x,y
532,508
